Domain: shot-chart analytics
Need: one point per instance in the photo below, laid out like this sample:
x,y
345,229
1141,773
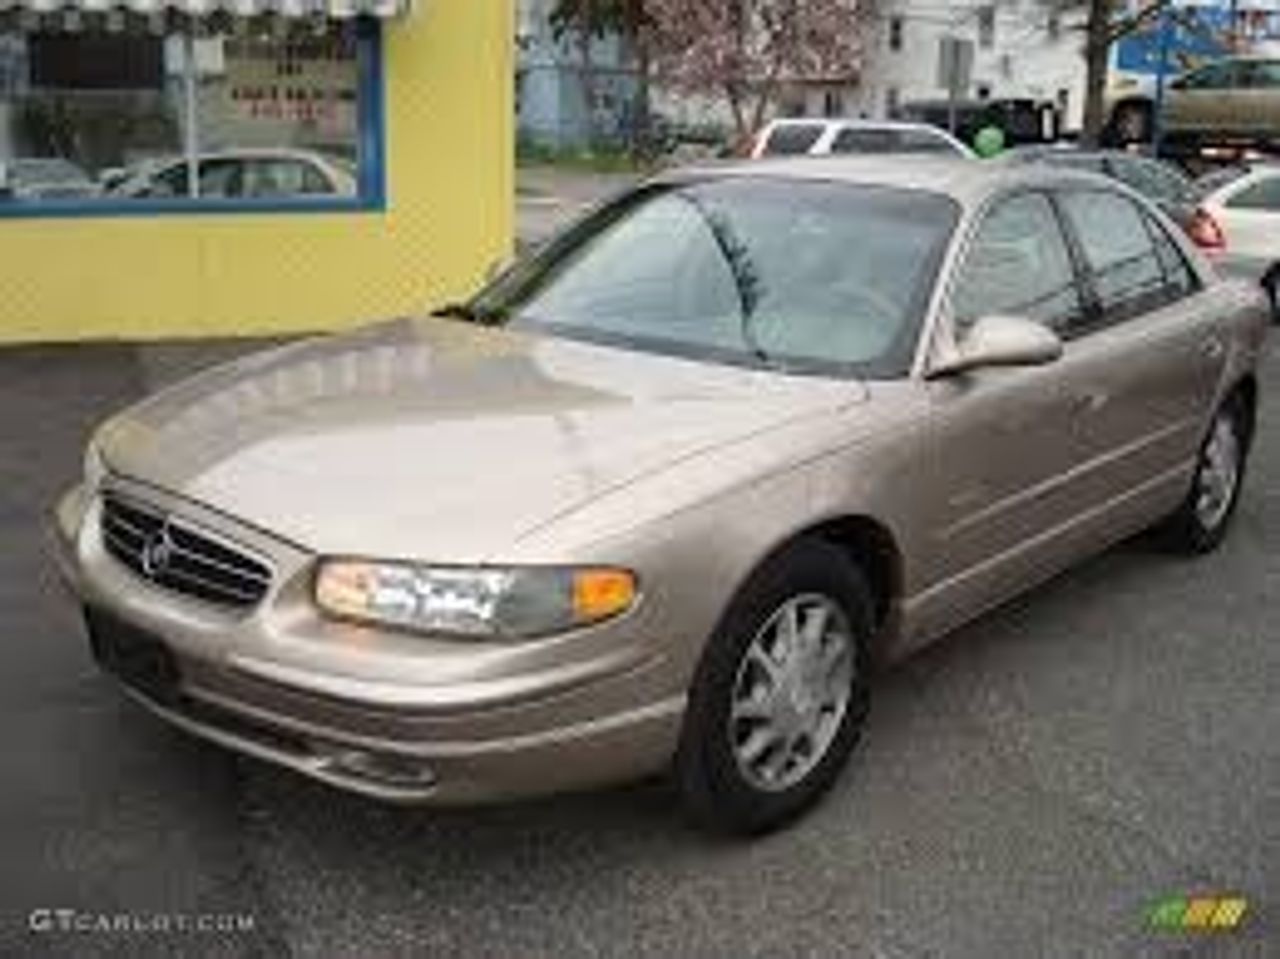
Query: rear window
x,y
792,139
1262,194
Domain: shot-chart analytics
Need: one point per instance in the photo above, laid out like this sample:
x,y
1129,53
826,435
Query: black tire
x,y
1271,283
1188,530
713,787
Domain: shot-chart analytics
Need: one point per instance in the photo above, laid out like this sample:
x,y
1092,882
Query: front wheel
x,y
1201,522
780,697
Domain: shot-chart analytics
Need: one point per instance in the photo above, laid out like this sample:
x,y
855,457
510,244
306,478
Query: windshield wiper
x,y
470,313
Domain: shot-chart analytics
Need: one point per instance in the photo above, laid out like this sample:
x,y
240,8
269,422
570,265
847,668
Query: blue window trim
x,y
371,172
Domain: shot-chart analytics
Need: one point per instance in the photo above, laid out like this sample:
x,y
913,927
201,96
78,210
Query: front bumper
x,y
397,718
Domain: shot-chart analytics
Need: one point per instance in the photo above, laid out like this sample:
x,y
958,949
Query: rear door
x,y
1147,356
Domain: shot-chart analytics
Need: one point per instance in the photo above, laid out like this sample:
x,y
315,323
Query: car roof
x,y
966,180
856,123
236,153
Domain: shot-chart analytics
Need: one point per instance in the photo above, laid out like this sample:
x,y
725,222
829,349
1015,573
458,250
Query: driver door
x,y
1005,449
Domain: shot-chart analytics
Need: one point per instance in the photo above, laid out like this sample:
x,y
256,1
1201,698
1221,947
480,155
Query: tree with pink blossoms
x,y
744,50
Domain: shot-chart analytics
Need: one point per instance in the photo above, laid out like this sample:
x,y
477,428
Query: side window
x,y
1262,194
1261,74
922,141
1124,269
864,140
1018,264
220,178
280,178
172,182
313,181
1216,76
792,139
1178,278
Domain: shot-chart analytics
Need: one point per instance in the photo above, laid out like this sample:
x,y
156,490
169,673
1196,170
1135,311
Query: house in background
x,y
570,94
1022,49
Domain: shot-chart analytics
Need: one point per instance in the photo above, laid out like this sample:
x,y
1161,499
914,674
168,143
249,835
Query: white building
x,y
1022,48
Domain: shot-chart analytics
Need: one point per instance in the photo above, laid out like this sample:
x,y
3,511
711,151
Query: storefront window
x,y
263,114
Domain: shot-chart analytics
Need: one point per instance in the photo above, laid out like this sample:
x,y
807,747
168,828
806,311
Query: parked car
x,y
44,178
256,174
1231,99
1243,204
823,137
1022,120
1161,183
660,495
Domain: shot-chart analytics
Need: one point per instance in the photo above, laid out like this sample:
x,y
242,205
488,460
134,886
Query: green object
x,y
989,142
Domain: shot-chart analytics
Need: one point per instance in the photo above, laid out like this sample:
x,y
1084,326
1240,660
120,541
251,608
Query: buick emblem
x,y
156,553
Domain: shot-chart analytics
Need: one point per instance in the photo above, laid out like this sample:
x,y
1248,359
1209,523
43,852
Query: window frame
x,y
371,179
1068,330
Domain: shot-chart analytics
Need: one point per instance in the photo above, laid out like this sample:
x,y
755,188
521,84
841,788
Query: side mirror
x,y
1000,341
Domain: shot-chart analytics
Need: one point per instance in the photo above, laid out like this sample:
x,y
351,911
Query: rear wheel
x,y
780,697
1201,523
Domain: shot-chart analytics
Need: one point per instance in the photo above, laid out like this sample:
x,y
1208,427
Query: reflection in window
x,y
1262,194
100,116
828,275
1127,274
1018,265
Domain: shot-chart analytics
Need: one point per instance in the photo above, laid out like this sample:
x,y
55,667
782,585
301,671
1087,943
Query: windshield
x,y
808,275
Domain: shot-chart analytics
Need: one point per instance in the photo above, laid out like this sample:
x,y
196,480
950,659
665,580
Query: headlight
x,y
474,602
95,470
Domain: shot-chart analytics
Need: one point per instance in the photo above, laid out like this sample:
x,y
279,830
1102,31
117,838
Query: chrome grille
x,y
176,556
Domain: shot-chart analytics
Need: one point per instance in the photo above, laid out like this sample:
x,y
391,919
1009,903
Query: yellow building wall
x,y
449,69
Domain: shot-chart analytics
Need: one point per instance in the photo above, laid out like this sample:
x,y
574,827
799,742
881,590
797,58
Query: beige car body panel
x,y
435,441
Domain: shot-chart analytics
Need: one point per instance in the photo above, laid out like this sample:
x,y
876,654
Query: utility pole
x,y
1162,70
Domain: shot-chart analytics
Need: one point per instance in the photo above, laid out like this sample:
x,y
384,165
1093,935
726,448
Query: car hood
x,y
440,440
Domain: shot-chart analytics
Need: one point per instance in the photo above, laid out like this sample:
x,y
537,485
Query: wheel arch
x,y
1247,389
872,546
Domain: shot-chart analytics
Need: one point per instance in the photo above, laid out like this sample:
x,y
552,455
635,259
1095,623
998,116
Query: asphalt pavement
x,y
1031,787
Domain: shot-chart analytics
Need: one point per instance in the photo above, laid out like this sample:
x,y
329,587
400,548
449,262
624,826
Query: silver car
x,y
660,497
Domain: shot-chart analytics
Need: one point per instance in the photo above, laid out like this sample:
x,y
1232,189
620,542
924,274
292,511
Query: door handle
x,y
1212,348
1090,401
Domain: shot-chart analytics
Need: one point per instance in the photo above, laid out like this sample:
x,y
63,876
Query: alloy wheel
x,y
792,691
1219,473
